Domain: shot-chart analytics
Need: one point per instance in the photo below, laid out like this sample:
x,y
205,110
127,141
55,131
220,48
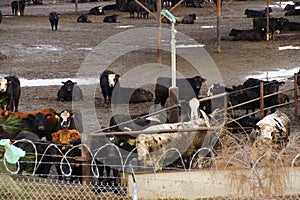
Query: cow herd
x,y
259,30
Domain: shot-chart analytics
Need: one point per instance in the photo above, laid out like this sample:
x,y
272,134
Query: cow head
x,y
198,81
65,119
65,136
113,79
3,84
69,85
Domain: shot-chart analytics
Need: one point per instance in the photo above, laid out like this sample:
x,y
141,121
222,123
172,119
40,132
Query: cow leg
x,y
16,105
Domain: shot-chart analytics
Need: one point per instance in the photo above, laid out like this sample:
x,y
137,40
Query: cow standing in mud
x,y
108,81
10,91
54,18
18,6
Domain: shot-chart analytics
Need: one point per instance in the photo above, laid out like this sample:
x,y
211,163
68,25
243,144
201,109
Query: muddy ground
x,y
35,52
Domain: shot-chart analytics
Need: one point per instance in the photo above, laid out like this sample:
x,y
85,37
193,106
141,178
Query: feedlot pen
x,y
248,172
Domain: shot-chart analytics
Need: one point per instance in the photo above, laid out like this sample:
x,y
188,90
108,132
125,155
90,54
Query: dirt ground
x,y
35,52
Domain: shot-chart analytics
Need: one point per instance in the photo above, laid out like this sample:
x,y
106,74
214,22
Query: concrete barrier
x,y
217,183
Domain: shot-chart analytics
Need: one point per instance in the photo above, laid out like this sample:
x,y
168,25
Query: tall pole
x,y
219,26
159,59
173,59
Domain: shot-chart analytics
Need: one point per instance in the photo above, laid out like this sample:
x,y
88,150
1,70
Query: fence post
x,y
225,104
86,168
262,99
296,95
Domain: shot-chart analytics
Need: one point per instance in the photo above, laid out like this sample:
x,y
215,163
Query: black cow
x,y
289,7
98,10
0,16
252,91
68,168
54,18
69,92
292,12
110,7
151,6
10,91
37,124
235,97
15,5
70,120
110,19
249,34
83,19
275,24
108,81
188,88
243,125
132,7
298,78
45,153
131,95
189,19
257,13
291,26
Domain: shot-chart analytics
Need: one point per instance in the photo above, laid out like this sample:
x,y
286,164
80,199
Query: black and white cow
x,y
54,18
108,81
15,5
70,120
10,91
273,128
257,13
111,19
69,92
188,88
98,10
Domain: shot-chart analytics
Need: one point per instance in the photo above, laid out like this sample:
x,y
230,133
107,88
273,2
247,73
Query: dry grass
x,y
261,167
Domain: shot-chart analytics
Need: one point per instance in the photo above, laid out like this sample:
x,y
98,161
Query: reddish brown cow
x,y
65,136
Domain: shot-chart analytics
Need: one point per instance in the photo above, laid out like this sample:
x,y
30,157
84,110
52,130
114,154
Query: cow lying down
x,y
273,128
156,145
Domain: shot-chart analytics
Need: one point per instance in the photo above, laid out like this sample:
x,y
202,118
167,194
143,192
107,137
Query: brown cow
x,y
20,115
65,136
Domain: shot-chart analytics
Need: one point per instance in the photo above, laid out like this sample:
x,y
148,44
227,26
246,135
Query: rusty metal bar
x,y
295,95
155,131
261,99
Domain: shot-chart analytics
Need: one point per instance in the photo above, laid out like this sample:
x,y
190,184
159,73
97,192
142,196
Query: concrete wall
x,y
217,183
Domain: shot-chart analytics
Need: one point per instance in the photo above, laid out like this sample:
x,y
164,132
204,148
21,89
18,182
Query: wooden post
x,y
262,99
219,26
225,105
296,95
173,114
76,6
86,168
